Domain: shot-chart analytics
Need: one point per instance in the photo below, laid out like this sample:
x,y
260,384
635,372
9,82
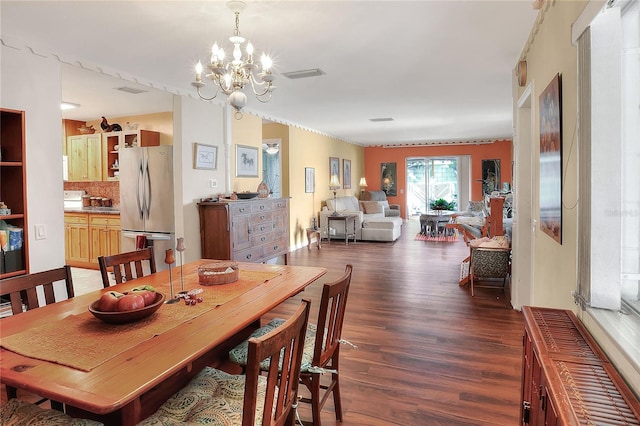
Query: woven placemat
x,y
72,341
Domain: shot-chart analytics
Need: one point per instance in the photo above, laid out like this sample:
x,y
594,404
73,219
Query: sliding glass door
x,y
429,179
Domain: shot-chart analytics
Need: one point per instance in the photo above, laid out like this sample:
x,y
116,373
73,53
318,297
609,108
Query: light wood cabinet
x,y
76,239
246,231
85,157
13,189
113,142
566,378
89,235
104,233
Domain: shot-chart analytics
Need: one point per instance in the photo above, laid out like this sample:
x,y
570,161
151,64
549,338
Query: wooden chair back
x,y
283,347
21,289
333,306
126,266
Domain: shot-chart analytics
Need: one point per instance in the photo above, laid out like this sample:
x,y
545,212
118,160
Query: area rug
x,y
440,238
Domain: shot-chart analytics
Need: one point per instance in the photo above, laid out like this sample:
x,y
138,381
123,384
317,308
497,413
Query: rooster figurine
x,y
115,127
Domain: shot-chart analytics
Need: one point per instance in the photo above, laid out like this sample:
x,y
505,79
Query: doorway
x,y
271,166
429,179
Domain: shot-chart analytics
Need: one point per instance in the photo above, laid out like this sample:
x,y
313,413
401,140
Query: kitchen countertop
x,y
97,210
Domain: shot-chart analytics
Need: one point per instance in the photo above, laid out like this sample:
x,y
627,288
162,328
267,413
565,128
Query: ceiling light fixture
x,y
231,77
68,105
272,148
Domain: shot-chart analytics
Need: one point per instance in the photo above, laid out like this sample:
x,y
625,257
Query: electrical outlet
x,y
41,231
213,183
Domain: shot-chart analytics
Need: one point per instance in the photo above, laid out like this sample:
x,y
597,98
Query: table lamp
x,y
334,185
363,185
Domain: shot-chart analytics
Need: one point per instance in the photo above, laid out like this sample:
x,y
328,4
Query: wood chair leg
x,y
337,402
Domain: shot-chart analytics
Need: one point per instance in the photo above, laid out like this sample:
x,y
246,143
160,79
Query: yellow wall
x,y
158,122
552,52
247,132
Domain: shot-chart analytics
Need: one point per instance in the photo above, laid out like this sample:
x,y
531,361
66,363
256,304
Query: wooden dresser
x,y
247,231
566,378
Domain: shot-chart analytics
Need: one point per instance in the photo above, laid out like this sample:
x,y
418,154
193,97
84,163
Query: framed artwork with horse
x,y
246,161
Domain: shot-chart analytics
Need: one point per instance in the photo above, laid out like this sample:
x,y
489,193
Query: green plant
x,y
442,204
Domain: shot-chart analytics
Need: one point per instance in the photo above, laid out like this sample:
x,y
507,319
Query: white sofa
x,y
371,223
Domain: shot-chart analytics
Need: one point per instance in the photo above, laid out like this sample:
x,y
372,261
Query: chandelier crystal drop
x,y
232,76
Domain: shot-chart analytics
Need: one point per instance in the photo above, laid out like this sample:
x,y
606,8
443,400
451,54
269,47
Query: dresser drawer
x,y
279,205
276,247
253,254
261,228
240,208
104,220
261,206
261,217
263,238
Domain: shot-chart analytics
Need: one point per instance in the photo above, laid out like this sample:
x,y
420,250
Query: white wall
x,y
32,83
201,122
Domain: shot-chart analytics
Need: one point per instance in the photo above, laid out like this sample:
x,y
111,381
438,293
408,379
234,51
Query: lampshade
x,y
363,182
334,183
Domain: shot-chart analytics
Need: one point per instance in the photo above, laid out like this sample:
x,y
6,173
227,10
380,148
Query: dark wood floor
x,y
428,353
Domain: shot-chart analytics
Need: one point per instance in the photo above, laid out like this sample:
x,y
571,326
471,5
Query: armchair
x,y
390,210
488,263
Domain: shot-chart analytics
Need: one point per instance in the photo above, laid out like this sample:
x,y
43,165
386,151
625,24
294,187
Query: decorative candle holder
x,y
180,248
169,258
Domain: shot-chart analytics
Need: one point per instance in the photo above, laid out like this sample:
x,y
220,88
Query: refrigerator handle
x,y
147,182
138,187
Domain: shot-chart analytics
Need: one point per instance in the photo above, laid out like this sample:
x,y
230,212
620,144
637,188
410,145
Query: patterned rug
x,y
440,237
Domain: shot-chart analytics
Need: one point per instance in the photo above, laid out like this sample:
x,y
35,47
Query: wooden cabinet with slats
x,y
247,231
566,378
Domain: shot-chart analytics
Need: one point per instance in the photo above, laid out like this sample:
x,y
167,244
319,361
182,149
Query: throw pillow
x,y
372,207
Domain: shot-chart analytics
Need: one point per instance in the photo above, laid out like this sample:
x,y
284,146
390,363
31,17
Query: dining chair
x,y
216,397
486,263
22,293
321,350
126,266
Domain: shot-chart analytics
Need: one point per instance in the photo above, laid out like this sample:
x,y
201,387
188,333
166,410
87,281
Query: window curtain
x,y
600,161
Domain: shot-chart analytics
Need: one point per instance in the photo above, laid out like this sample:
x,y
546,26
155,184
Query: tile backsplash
x,y
97,189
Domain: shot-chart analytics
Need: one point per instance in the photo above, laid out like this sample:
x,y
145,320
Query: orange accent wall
x,y
375,156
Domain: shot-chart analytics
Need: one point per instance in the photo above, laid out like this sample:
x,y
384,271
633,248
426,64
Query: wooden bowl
x,y
127,316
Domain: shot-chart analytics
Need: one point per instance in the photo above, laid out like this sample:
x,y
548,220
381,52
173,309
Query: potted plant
x,y
442,204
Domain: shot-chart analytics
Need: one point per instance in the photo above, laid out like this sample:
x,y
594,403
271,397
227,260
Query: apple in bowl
x,y
131,315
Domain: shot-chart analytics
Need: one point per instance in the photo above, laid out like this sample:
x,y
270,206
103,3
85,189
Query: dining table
x,y
120,374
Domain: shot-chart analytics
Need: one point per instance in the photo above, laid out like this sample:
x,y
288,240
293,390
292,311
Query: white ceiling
x,y
441,69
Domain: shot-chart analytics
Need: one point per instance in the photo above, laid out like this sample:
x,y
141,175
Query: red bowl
x,y
127,316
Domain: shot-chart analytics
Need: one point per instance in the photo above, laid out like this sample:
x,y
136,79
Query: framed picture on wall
x,y
551,160
205,156
346,174
334,167
388,177
309,179
246,161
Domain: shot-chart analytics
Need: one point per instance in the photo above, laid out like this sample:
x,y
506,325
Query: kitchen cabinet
x,y
104,233
566,378
247,231
113,142
13,190
89,235
85,157
77,239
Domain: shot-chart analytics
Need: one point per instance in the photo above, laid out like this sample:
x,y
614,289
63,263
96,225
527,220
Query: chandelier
x,y
232,76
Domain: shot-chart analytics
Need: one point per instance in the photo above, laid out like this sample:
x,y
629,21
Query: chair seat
x,y
20,413
239,354
213,397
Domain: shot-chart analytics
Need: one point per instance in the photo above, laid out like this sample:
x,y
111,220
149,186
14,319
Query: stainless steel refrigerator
x,y
146,199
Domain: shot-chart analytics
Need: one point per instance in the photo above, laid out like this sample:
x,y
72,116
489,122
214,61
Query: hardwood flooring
x,y
427,352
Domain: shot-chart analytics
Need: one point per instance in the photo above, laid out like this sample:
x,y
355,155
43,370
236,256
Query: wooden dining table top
x,y
125,376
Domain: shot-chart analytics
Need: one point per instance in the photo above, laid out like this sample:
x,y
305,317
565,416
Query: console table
x,y
566,378
347,220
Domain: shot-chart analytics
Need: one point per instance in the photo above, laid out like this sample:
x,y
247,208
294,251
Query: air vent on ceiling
x,y
131,90
375,120
304,73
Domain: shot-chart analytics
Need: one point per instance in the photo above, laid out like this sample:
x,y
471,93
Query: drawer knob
x,y
262,228
263,238
262,217
261,207
275,248
248,256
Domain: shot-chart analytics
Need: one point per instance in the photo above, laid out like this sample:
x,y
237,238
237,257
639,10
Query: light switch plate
x,y
41,231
